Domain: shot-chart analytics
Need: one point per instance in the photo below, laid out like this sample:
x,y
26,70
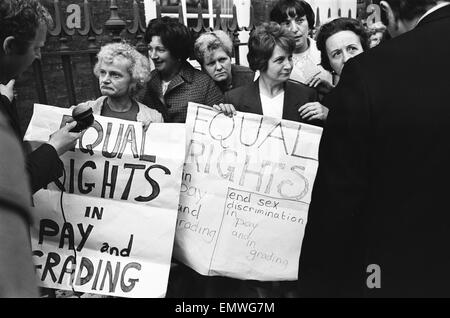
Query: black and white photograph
x,y
223,156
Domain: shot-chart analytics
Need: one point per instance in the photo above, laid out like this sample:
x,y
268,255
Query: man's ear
x,y
9,45
388,12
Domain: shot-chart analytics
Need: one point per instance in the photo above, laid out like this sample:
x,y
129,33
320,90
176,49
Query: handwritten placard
x,y
245,194
108,225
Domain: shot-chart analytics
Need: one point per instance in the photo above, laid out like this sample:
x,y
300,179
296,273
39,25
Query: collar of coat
x,y
442,12
186,74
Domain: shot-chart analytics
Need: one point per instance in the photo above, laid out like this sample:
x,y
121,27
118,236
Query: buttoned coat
x,y
247,99
189,85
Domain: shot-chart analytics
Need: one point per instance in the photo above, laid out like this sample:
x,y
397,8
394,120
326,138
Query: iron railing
x,y
116,29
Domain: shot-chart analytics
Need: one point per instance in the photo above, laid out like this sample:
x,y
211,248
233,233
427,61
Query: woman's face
x,y
114,78
162,59
341,47
279,66
299,26
375,39
217,64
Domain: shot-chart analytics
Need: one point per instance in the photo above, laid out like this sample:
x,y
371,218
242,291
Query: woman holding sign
x,y
270,52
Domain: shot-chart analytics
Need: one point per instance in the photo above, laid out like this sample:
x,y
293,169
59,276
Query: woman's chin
x,y
159,67
221,78
107,92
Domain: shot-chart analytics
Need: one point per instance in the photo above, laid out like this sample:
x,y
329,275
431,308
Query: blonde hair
x,y
210,41
139,68
377,27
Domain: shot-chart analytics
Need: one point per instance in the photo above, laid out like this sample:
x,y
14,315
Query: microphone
x,y
84,117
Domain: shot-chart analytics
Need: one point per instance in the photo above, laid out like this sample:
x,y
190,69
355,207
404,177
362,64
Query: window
x,y
190,10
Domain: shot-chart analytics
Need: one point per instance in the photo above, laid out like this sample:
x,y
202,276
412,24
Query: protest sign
x,y
245,193
111,232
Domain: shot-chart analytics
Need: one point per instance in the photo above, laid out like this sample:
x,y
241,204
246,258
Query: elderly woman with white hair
x,y
213,50
122,72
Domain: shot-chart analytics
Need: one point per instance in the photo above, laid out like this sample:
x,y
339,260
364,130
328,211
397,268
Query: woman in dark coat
x,y
270,53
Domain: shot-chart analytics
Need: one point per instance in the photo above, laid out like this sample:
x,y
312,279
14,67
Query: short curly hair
x,y
21,19
283,8
174,35
262,42
139,68
210,41
336,26
376,27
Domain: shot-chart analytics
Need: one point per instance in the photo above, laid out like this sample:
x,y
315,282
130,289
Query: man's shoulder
x,y
413,47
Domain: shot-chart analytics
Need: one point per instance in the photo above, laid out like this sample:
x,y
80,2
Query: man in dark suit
x,y
379,221
23,28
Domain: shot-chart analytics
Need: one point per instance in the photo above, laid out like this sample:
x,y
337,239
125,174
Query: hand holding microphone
x,y
65,138
84,117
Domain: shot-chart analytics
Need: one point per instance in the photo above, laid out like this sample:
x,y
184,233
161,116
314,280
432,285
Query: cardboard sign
x,y
245,194
108,225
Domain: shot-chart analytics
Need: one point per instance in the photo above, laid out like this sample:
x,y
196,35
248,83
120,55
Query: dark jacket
x,y
381,192
189,85
14,187
240,76
247,99
43,165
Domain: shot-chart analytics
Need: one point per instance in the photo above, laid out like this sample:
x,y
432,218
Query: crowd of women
x,y
288,76
289,73
368,212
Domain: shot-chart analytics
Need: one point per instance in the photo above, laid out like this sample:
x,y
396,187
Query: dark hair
x,y
409,9
283,8
335,26
21,19
175,36
262,42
